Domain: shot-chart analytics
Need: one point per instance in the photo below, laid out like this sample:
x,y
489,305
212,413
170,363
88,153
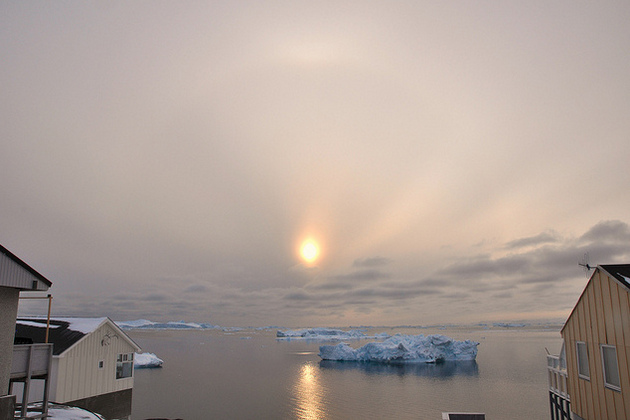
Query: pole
x,y
48,319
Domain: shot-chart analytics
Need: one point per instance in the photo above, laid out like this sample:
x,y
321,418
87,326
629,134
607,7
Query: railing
x,y
559,400
31,361
557,373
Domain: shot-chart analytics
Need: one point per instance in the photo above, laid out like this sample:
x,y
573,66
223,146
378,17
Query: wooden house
x,y
15,276
597,344
92,363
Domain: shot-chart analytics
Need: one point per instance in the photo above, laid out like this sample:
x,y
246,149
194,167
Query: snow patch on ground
x,y
64,412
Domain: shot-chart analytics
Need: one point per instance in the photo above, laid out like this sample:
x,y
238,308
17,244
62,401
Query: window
x,y
101,364
124,366
611,370
582,360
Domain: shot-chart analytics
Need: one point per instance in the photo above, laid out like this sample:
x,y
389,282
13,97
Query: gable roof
x,y
16,273
619,271
64,333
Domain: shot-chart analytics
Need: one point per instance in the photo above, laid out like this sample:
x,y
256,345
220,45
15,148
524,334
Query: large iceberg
x,y
404,348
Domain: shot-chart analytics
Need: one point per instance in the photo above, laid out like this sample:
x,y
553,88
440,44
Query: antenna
x,y
584,263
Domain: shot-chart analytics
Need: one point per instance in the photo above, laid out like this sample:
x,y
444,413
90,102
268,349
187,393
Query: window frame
x,y
607,384
581,374
124,366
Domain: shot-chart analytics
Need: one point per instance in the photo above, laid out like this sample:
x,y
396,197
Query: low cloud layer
x,y
541,281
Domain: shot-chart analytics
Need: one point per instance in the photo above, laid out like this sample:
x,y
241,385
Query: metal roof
x,y
619,271
11,256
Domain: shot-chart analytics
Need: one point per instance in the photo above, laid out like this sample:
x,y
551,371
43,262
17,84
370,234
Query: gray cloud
x,y
361,275
196,288
607,231
371,262
542,238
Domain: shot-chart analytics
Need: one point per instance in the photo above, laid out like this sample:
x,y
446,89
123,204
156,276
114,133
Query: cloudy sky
x,y
453,161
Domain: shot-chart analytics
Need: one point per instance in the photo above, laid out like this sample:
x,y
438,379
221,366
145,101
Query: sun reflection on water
x,y
308,394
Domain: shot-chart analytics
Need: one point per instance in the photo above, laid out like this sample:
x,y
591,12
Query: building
x,y
92,364
15,276
597,345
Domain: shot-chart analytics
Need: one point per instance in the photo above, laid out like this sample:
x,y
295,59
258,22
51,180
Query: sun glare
x,y
309,251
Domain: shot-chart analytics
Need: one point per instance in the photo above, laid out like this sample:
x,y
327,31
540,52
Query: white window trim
x,y
577,354
125,358
606,384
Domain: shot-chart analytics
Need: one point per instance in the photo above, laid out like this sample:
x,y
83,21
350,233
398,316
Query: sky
x,y
452,161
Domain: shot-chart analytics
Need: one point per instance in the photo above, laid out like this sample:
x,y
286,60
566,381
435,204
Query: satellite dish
x,y
584,263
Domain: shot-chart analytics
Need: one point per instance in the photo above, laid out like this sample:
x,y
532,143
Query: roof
x,y
63,333
25,266
619,271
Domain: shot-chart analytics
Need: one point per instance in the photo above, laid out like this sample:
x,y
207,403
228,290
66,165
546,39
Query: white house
x,y
15,276
92,359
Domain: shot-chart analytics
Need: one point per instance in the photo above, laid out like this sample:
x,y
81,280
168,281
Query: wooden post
x,y
48,319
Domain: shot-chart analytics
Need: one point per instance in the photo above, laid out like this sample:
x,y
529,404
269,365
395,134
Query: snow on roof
x,y
82,325
63,333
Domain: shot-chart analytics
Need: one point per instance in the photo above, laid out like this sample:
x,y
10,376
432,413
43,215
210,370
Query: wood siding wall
x,y
77,374
14,275
601,316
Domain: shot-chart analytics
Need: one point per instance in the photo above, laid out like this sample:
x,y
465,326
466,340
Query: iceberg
x,y
326,334
403,349
508,325
146,360
171,325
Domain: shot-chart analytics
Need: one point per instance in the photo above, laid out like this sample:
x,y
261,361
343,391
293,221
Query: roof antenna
x,y
584,263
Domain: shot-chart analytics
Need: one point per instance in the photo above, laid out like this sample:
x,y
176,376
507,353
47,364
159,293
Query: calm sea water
x,y
251,375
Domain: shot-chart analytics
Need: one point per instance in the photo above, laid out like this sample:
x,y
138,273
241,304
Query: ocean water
x,y
211,374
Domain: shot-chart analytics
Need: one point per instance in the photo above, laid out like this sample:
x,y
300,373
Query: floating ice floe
x,y
146,360
404,348
326,334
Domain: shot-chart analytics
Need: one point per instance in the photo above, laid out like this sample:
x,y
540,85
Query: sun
x,y
309,251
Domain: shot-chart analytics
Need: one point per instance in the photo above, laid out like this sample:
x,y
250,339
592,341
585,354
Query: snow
x,y
404,348
171,325
146,360
508,325
82,325
321,334
326,334
64,412
35,324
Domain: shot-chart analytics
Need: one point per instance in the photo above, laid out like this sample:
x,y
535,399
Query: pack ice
x,y
404,348
319,333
